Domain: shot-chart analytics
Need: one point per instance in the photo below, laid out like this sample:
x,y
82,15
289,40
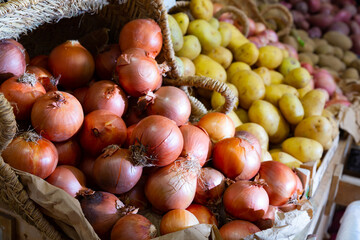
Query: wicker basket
x,y
41,25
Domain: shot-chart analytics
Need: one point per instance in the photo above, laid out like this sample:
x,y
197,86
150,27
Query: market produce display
x,y
110,131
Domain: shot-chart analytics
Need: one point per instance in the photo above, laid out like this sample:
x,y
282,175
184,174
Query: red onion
x,y
12,60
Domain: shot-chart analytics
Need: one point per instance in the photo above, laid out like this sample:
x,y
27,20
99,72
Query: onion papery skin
x,y
267,221
299,186
105,61
210,186
252,139
138,73
197,144
133,226
218,125
34,155
22,96
246,200
238,229
171,187
177,220
170,102
73,63
69,152
68,178
101,128
161,138
105,95
280,180
44,77
103,210
141,33
40,61
57,116
114,172
136,196
203,214
236,158
80,94
12,60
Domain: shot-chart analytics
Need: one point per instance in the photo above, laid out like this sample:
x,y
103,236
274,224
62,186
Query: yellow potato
x,y
270,57
201,9
180,65
237,38
191,47
189,67
291,108
334,124
274,150
270,118
298,78
234,68
207,67
221,55
236,120
275,91
217,100
258,131
303,149
214,23
247,53
208,36
305,90
183,20
276,77
313,103
264,73
250,87
286,159
288,64
225,33
317,128
176,34
242,114
285,53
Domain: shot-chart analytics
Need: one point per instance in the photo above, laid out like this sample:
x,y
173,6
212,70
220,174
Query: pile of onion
x,y
22,92
43,158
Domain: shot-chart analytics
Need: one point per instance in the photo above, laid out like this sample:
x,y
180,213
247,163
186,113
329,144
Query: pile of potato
x,y
277,101
331,52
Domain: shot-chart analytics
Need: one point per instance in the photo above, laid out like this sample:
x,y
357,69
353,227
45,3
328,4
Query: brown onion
x,y
203,214
157,140
135,113
80,94
246,200
69,152
138,73
267,221
210,186
68,178
171,187
57,116
105,95
133,226
177,220
40,61
141,33
280,180
114,172
251,138
44,77
12,60
129,131
22,93
102,210
86,166
105,61
236,158
238,229
136,196
197,144
72,63
31,153
218,125
170,102
100,129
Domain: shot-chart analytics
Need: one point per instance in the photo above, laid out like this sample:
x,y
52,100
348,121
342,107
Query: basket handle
x,y
210,84
285,12
239,14
7,123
